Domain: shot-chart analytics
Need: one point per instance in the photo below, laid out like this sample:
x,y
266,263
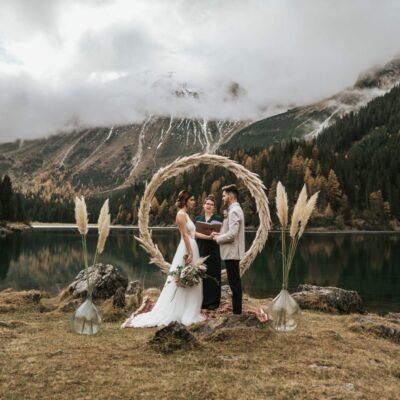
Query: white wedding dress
x,y
175,304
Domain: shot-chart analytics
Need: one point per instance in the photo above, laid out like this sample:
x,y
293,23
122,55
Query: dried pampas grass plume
x,y
282,205
103,225
103,233
81,216
307,212
105,210
298,212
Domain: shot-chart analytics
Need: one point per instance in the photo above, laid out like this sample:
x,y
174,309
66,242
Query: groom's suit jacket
x,y
231,238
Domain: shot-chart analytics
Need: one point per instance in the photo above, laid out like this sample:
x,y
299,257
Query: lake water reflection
x,y
366,262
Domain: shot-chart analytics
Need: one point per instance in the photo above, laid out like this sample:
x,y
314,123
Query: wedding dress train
x,y
175,303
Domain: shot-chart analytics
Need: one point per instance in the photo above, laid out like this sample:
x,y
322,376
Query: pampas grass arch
x,y
252,182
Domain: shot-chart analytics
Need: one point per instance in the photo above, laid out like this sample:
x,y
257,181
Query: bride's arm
x,y
202,236
181,222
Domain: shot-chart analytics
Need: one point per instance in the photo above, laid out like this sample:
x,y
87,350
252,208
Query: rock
x,y
210,326
134,287
173,337
328,299
69,305
394,317
119,298
105,279
110,313
11,300
134,295
377,326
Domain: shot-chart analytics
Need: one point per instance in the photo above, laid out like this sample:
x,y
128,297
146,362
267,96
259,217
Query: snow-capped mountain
x,y
308,121
106,158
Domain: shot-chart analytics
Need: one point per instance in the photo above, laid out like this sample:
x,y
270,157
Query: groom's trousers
x,y
233,271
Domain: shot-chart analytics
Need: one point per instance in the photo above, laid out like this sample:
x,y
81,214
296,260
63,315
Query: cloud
x,y
107,62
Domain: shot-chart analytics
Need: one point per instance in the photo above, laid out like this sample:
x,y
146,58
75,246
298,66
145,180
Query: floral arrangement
x,y
190,275
103,225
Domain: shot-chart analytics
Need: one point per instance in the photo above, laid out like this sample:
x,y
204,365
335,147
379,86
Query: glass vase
x,y
86,319
284,312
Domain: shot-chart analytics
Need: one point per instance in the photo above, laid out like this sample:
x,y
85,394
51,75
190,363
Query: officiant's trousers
x,y
233,271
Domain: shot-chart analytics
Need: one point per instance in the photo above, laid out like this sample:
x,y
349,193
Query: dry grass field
x,y
328,357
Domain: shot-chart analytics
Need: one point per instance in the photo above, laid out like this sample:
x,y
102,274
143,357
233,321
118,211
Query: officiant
x,y
208,247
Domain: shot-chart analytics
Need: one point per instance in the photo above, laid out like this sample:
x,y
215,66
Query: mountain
x,y
100,159
309,121
108,158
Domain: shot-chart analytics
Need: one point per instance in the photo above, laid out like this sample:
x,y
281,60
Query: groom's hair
x,y
231,189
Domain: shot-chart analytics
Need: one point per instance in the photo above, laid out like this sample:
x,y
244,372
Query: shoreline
x,y
56,225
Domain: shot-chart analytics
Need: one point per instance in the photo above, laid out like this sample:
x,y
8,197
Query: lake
x,y
49,259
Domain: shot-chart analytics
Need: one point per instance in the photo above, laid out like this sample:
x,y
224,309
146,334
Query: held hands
x,y
214,235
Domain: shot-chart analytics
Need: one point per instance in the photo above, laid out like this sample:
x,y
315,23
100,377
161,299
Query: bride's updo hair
x,y
183,198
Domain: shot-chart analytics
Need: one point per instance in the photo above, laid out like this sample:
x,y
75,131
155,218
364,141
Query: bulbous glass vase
x,y
86,319
284,312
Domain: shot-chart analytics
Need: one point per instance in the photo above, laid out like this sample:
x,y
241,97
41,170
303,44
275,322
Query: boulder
x,y
174,336
328,299
210,326
134,295
394,317
377,326
119,298
105,279
11,300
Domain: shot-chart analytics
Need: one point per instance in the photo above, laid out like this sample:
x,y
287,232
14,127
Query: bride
x,y
176,303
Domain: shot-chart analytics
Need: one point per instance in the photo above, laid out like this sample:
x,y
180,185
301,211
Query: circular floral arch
x,y
250,179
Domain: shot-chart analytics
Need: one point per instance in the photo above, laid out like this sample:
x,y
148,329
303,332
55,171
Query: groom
x,y
231,242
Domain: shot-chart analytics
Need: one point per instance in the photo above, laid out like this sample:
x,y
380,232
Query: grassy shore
x,y
328,357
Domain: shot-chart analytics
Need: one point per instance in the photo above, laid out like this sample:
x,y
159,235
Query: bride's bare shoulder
x,y
181,216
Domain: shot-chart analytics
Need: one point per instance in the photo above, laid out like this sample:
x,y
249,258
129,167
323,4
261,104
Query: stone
x,y
134,287
328,299
134,295
119,298
173,337
210,326
69,305
394,317
105,279
11,300
376,326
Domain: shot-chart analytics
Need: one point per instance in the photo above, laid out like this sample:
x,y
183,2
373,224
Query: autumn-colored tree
x,y
333,191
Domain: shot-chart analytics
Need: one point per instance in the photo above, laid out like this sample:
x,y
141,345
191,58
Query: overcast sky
x,y
102,62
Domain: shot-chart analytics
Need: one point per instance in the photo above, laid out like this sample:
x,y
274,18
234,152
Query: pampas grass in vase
x,y
87,319
284,310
